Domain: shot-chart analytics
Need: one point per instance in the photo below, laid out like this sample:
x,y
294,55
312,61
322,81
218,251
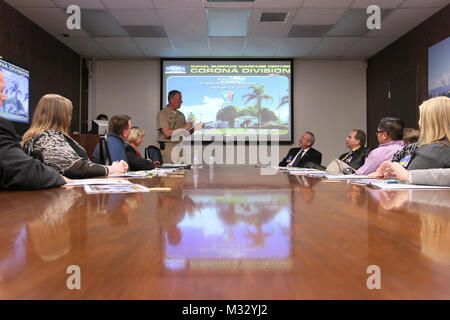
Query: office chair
x,y
153,153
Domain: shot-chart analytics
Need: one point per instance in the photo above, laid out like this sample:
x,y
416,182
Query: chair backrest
x,y
116,149
104,154
153,153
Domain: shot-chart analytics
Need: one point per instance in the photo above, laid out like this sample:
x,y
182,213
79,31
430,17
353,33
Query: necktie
x,y
299,157
348,155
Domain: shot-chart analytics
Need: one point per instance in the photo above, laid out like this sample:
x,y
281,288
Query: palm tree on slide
x,y
258,95
284,100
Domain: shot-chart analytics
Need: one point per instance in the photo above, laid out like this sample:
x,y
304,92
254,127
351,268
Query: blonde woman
x,y
135,160
48,140
434,139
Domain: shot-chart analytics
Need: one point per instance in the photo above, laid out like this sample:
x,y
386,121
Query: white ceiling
x,y
198,28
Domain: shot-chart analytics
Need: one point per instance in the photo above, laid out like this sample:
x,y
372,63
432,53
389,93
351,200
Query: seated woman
x,y
433,150
434,139
48,140
135,161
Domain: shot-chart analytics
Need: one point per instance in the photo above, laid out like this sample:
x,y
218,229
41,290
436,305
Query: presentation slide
x,y
233,97
16,106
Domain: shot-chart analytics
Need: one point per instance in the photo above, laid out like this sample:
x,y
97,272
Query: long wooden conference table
x,y
227,233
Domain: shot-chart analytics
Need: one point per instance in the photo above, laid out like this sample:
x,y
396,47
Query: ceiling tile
x,y
191,46
192,24
53,20
327,3
270,29
425,4
383,4
298,47
137,17
86,47
226,46
120,47
155,47
367,47
333,47
83,4
219,22
307,31
263,47
318,16
278,4
100,23
128,4
400,21
170,4
354,23
31,3
145,31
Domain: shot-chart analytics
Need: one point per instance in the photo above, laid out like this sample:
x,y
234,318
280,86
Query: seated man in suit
x,y
299,157
353,159
118,131
17,170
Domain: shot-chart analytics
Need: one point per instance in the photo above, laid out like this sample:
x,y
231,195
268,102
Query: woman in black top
x,y
135,160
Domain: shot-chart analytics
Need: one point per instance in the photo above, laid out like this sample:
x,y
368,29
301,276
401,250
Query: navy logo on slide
x,y
176,69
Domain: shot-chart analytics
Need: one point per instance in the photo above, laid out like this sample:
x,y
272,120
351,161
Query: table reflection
x,y
228,230
433,209
41,228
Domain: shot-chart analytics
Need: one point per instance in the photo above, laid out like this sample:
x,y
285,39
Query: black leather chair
x,y
153,153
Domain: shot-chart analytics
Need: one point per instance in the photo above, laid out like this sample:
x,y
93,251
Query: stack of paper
x,y
115,188
82,182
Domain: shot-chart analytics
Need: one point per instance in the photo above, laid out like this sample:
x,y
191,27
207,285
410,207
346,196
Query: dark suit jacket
x,y
136,162
356,159
312,155
19,171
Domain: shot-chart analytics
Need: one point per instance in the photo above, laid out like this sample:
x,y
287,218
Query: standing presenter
x,y
169,122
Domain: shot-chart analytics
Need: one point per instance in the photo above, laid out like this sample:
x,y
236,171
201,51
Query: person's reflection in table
x,y
121,206
50,232
433,208
305,186
40,227
172,207
356,195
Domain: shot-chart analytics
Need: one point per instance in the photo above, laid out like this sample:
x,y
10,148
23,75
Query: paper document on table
x,y
312,172
132,174
115,188
172,165
402,186
83,182
294,168
347,177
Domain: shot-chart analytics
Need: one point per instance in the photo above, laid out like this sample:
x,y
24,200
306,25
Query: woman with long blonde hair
x,y
48,140
434,140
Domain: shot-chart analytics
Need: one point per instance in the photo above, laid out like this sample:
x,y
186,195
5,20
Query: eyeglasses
x,y
377,132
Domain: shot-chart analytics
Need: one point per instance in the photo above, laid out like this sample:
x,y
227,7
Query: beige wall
x,y
329,98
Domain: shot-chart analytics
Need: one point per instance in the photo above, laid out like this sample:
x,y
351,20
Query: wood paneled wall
x,y
54,68
407,53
